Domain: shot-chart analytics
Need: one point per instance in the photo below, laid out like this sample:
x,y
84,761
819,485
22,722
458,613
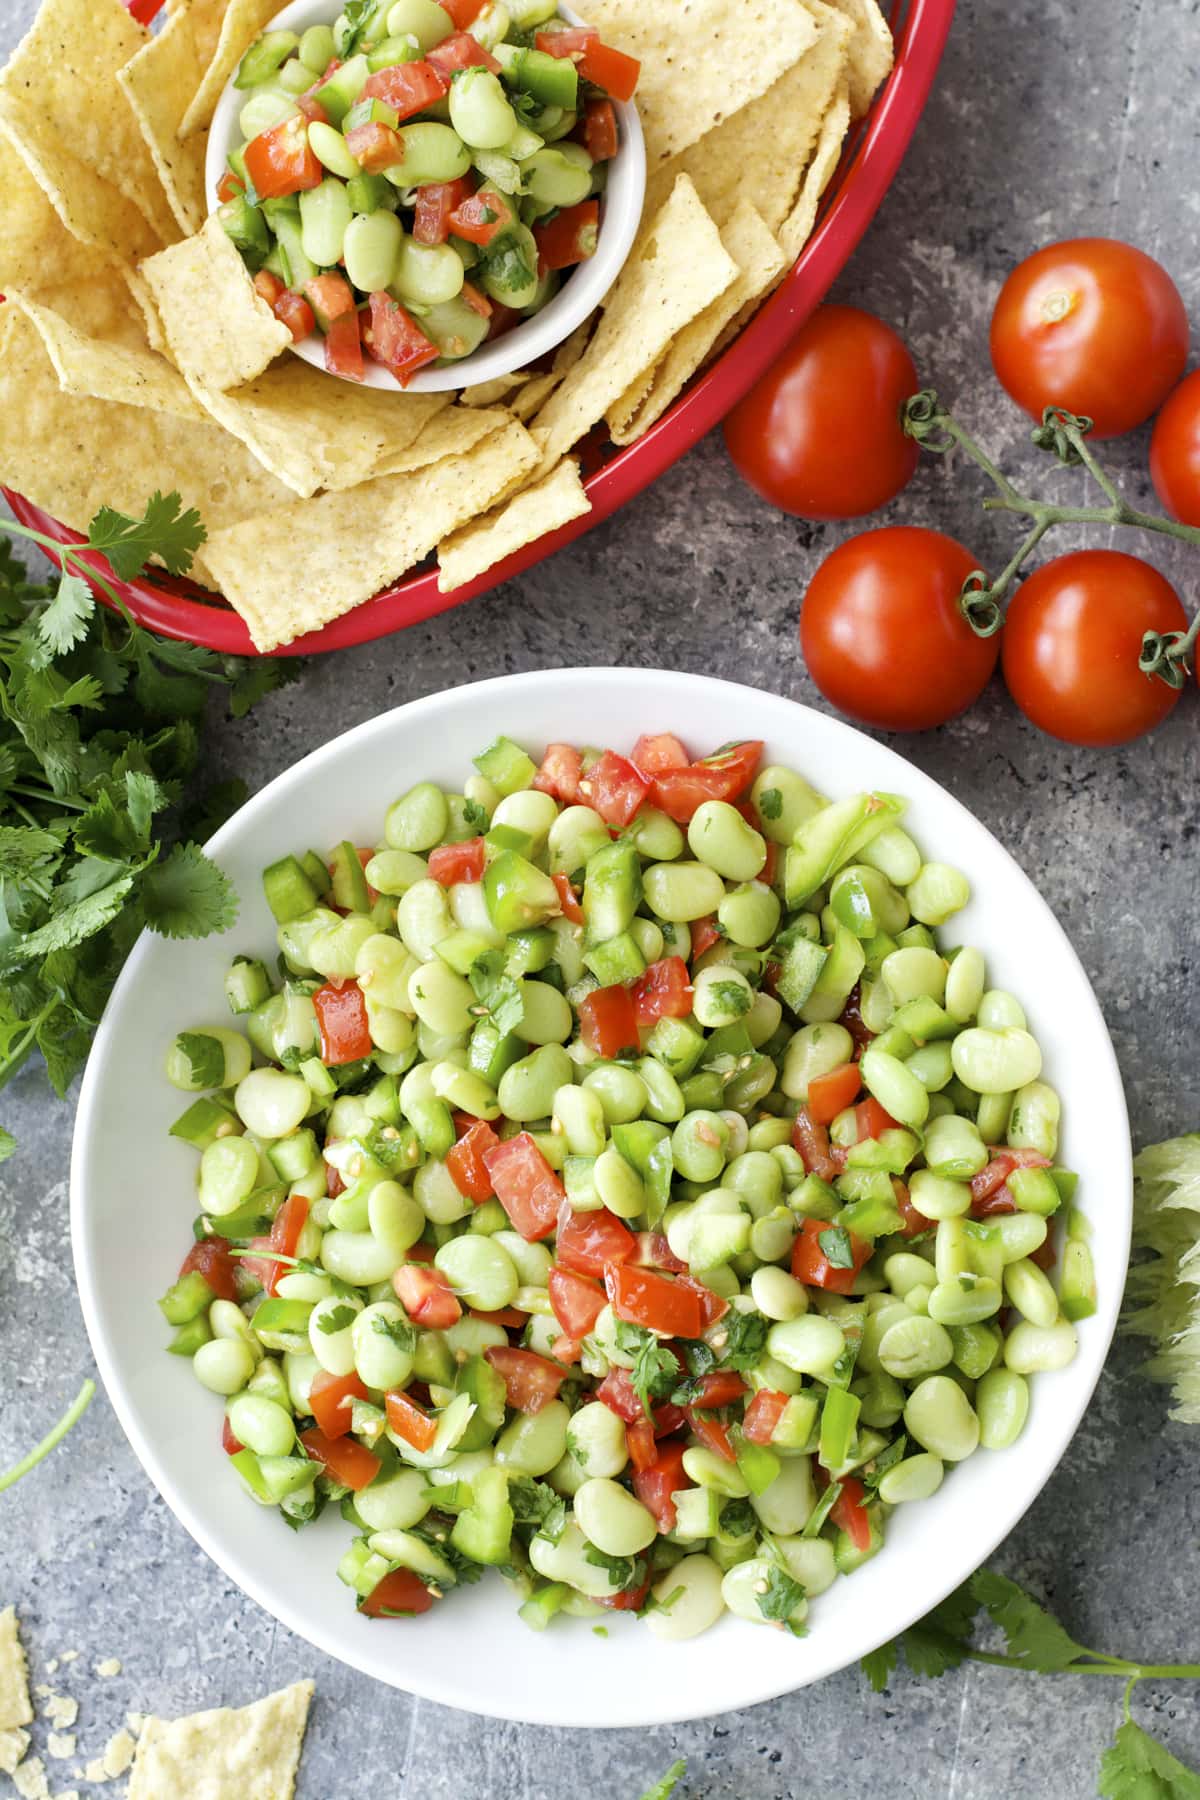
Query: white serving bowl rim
x,y
525,344
131,1209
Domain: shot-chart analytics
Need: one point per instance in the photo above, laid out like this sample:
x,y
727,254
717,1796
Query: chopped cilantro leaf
x,y
397,1331
770,803
783,1595
205,1057
475,815
662,1790
534,1503
732,997
499,995
624,1572
336,1319
745,1339
835,1247
655,1368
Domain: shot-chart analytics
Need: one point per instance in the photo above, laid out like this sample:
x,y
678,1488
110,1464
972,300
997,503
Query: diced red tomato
x,y
607,1021
419,1253
395,339
511,1317
463,12
566,1349
643,1297
343,348
763,1415
989,1193
914,1222
531,1381
560,773
329,1401
281,161
578,1301
468,1171
654,1252
641,1445
503,318
462,51
210,1257
399,1593
294,311
812,1142
713,1434
720,1388
425,1295
457,862
712,1307
286,1227
705,933
829,1094
311,107
331,298
525,1185
479,217
231,1445
655,1485
407,88
663,989
568,238
656,751
850,1514
345,1460
616,1392
724,776
334,1185
375,146
589,1241
229,186
611,70
872,1121
628,1600
342,1018
436,200
600,135
568,899
811,1265
1045,1256
268,287
851,1017
410,1421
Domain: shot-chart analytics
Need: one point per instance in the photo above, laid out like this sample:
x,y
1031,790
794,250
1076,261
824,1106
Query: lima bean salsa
x,y
418,177
627,1185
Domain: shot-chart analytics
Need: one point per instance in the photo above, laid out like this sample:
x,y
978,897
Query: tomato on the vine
x,y
820,435
884,635
1175,452
1094,326
1071,643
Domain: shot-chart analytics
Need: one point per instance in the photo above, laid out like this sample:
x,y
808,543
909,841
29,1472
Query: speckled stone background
x,y
1050,119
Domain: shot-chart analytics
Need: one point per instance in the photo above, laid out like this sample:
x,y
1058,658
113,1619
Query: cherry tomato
x,y
1071,644
820,434
883,634
1175,452
1092,325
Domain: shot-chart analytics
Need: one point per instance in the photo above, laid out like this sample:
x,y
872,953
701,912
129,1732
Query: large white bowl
x,y
579,295
133,1197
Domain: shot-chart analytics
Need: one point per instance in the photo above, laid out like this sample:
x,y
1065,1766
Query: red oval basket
x,y
178,609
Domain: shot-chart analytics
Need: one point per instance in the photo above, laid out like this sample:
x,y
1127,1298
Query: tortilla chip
x,y
759,259
59,89
487,393
553,501
240,23
91,209
314,432
219,331
760,153
251,1753
679,268
44,260
871,52
297,567
104,371
72,455
158,83
451,432
701,61
14,1683
796,229
536,391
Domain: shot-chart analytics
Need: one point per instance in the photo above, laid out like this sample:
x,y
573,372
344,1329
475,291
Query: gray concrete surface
x,y
1050,119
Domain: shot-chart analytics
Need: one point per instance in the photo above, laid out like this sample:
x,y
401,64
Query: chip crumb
x,y
135,1721
43,1690
29,1779
108,1667
61,1710
68,1794
13,1745
52,1665
61,1745
69,1656
15,1708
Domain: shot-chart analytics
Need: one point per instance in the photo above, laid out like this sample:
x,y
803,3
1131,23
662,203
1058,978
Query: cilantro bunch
x,y
99,735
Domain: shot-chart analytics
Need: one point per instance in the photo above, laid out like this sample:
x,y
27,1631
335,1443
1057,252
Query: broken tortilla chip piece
x,y
487,393
15,1707
158,82
871,52
219,330
737,49
796,229
240,23
759,259
555,500
129,375
679,267
295,568
244,1753
451,432
91,209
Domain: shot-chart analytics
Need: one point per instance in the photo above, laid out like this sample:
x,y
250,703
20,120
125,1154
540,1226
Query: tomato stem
x,y
1164,656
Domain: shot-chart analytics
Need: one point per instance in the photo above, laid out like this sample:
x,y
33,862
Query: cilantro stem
x,y
1103,1665
46,798
67,556
71,1417
25,1043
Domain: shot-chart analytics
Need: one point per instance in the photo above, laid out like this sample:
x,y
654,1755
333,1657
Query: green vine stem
x,y
1164,655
